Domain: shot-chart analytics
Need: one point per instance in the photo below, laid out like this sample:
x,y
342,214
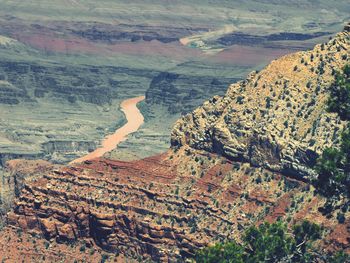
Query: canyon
x,y
148,130
70,63
239,159
134,121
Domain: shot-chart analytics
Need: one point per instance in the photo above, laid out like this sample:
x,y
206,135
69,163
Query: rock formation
x,y
182,93
238,160
163,208
276,118
12,178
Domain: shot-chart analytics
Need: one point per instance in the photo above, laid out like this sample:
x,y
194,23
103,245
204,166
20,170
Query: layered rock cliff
x,y
166,207
238,160
12,178
276,118
47,109
182,93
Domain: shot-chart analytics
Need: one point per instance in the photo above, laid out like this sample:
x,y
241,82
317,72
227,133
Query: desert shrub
x,y
328,169
258,180
339,257
339,101
341,218
82,248
104,258
240,99
333,166
221,252
303,234
266,243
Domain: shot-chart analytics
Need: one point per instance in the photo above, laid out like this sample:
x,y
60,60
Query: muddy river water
x,y
134,120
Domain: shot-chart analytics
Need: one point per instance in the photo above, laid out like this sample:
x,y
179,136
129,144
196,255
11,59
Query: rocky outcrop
x,y
13,176
162,208
5,157
347,28
111,34
68,146
56,104
276,118
182,93
72,83
10,94
240,38
223,174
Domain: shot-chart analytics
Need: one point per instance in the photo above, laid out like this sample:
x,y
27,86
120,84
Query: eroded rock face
x,y
166,207
182,93
347,27
213,183
13,176
30,81
275,119
60,99
9,94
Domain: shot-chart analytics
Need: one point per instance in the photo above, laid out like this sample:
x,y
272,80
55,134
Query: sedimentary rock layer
x,y
276,118
165,207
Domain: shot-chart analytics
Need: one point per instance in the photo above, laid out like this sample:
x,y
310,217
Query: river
x,y
134,120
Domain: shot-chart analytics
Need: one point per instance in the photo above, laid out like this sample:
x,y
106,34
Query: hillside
x,y
276,118
238,160
68,65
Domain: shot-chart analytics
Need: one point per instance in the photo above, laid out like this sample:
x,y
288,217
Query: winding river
x,y
134,121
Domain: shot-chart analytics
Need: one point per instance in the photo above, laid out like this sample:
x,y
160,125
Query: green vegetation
x,y
269,243
333,166
339,257
339,101
104,258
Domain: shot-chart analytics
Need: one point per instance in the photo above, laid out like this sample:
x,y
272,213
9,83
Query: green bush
x,y
303,234
339,100
333,166
341,218
339,257
266,243
229,252
329,171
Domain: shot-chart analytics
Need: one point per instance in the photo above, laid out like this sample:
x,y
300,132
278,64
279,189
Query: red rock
x,y
48,227
66,232
22,222
12,218
32,222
